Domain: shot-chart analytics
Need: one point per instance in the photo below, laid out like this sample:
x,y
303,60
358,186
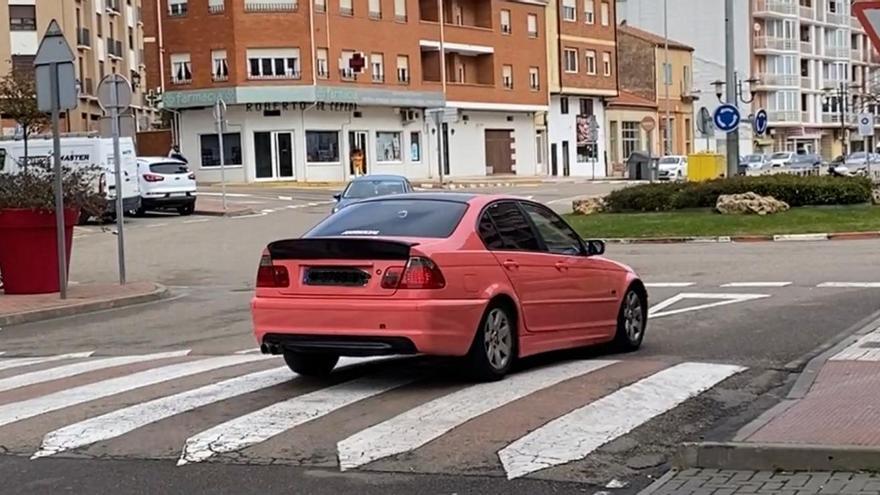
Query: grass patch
x,y
704,222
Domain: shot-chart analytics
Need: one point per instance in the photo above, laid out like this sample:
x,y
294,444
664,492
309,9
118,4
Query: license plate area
x,y
338,276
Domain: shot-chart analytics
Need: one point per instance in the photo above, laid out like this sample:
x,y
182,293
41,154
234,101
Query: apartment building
x,y
582,54
106,37
803,49
322,90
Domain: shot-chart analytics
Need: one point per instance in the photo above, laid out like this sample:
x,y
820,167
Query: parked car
x,y
804,161
166,184
861,159
488,278
779,159
672,168
370,186
752,162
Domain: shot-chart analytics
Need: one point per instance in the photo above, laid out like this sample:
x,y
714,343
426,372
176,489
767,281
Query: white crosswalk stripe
x,y
17,411
80,368
9,363
575,435
422,424
261,425
122,421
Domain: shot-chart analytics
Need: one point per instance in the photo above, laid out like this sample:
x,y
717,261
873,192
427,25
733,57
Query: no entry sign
x,y
868,13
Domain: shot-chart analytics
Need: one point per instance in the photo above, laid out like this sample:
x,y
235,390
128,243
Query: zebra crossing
x,y
393,412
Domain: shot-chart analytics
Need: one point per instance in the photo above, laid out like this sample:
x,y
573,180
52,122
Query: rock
x,y
588,206
875,196
749,204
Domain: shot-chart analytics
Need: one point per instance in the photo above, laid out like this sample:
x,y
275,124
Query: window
x,y
590,11
571,60
181,70
630,138
586,106
377,66
400,10
686,78
345,70
534,79
345,7
210,152
532,26
322,146
558,237
22,18
505,21
688,137
219,66
612,142
403,69
23,65
591,62
177,7
569,11
321,66
320,5
605,13
130,39
563,105
270,63
388,146
507,76
668,133
415,147
375,9
504,227
606,63
417,218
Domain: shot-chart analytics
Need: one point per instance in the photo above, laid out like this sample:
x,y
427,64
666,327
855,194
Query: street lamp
x,y
841,96
740,91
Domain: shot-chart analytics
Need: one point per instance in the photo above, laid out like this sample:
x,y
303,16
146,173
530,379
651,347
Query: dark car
x,y
370,186
803,161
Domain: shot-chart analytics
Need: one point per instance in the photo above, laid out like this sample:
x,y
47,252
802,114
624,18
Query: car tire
x,y
83,218
187,210
310,364
494,347
140,211
632,320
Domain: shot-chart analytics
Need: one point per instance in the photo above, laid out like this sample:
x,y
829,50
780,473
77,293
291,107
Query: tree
x,y
18,101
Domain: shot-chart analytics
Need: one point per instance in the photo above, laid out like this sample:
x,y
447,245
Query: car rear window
x,y
169,168
394,218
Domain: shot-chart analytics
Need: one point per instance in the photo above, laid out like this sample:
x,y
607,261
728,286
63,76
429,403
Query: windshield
x,y
369,188
860,155
394,218
780,156
754,158
669,160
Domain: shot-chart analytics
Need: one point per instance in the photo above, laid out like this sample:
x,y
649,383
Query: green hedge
x,y
794,190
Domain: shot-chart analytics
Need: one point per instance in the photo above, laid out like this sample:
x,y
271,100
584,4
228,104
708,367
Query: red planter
x,y
28,252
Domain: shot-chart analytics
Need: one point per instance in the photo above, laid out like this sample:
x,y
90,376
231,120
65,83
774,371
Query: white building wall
x,y
563,127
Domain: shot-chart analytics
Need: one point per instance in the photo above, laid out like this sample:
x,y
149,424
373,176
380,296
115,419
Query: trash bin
x,y
638,166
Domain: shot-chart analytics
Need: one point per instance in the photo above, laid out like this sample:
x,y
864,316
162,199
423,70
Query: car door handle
x,y
510,265
562,266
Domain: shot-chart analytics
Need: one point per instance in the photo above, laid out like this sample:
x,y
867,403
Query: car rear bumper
x,y
168,201
362,327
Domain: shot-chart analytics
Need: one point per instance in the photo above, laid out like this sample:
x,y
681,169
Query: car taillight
x,y
271,275
191,176
419,273
153,178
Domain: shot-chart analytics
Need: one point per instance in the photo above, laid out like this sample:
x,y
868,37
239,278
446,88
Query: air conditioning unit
x,y
408,116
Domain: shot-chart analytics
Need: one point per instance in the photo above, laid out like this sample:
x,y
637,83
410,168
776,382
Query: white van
x,y
81,151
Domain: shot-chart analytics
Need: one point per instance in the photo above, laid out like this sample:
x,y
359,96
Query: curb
x,y
477,185
841,236
777,457
159,292
221,213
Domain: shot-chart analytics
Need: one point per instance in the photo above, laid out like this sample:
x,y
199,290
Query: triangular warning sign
x,y
868,14
659,310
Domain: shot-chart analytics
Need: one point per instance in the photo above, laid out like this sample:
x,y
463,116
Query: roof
x,y
657,40
627,99
388,177
432,196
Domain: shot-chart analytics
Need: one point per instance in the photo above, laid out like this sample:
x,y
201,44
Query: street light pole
x,y
730,61
667,76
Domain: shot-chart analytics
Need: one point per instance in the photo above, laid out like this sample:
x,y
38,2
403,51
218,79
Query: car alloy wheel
x,y
498,339
633,317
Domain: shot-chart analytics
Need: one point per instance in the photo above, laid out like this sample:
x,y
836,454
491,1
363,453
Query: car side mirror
x,y
595,247
337,196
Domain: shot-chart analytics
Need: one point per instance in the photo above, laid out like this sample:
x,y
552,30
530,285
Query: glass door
x,y
357,153
284,155
273,154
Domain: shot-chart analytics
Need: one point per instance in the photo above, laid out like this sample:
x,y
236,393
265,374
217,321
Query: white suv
x,y
166,184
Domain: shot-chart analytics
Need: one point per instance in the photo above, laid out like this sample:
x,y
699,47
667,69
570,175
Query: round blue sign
x,y
760,122
726,118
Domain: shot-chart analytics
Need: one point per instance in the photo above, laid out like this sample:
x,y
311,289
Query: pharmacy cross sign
x,y
868,13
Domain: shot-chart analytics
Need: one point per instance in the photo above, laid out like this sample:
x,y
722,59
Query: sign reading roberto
x,y
300,105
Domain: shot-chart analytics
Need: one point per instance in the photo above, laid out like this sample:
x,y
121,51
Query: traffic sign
x,y
726,118
760,122
649,124
866,124
55,59
114,83
704,123
868,14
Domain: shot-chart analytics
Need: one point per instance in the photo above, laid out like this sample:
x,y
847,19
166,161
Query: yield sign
x,y
868,13
657,311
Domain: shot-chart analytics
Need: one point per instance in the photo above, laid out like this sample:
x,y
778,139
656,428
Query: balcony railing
x,y
276,6
274,77
779,44
836,18
806,82
217,8
775,7
775,116
855,54
114,48
807,47
789,80
86,87
347,74
837,52
807,13
219,77
83,38
112,6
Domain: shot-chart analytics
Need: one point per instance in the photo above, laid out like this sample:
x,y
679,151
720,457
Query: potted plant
x,y
28,251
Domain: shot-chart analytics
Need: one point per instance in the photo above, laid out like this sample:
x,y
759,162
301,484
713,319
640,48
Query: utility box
x,y
706,166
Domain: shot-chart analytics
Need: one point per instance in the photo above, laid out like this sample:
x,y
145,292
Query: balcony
x,y
83,38
775,7
113,7
855,55
807,47
839,19
785,80
783,116
837,52
467,13
776,44
254,6
806,82
347,74
293,74
807,13
86,87
140,16
216,7
855,24
114,48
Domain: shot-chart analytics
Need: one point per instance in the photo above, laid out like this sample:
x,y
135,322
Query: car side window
x,y
504,227
558,236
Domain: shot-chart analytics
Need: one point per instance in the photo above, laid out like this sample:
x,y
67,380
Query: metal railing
x,y
784,116
836,18
806,82
837,51
808,13
270,6
778,80
83,37
775,7
772,43
217,8
807,47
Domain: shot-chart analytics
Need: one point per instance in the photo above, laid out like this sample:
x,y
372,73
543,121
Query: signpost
x,y
56,91
114,96
220,121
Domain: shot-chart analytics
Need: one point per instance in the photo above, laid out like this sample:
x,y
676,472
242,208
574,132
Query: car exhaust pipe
x,y
270,348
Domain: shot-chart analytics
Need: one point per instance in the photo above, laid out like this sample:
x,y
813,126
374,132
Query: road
x,y
177,382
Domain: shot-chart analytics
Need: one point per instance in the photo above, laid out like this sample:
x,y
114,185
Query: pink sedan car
x,y
488,278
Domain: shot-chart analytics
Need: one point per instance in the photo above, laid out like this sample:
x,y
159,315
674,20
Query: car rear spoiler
x,y
324,248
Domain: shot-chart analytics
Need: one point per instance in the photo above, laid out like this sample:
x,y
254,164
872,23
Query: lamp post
x,y
841,97
735,94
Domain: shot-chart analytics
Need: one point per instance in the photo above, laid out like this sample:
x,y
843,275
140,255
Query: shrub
x,y
794,190
34,188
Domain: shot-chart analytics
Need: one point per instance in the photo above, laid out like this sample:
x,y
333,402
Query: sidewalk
x,y
84,298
